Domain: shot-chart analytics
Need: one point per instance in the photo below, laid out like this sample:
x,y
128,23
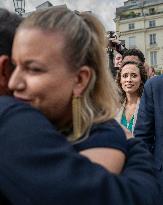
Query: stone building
x,y
140,24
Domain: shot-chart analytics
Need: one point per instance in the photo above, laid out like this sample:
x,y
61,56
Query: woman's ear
x,y
83,78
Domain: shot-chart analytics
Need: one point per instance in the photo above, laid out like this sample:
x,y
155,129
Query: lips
x,y
129,85
23,99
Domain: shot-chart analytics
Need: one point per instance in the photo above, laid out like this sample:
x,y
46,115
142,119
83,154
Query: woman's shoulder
x,y
109,125
107,135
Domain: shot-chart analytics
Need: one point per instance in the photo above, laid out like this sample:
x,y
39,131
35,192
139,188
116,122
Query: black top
x,y
108,134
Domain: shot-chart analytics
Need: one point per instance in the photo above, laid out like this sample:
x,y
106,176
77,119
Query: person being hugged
x,y
61,69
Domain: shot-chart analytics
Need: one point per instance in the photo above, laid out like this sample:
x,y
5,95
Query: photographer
x,y
114,45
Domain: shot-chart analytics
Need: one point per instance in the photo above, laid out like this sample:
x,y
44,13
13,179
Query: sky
x,y
104,9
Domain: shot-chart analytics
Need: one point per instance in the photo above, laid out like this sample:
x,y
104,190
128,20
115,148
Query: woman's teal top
x,y
127,124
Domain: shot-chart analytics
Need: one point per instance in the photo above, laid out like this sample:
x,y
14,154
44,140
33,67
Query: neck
x,y
132,99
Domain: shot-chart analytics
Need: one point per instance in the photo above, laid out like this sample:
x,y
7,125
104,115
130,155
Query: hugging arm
x,y
38,166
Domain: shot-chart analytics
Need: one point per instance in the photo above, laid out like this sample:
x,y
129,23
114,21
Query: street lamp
x,y
19,6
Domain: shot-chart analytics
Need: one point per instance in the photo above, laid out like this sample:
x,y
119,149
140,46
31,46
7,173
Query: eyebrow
x,y
28,62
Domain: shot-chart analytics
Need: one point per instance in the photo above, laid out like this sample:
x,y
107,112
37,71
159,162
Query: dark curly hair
x,y
134,52
143,75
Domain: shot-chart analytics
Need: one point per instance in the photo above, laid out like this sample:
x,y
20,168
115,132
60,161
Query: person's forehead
x,y
130,68
131,58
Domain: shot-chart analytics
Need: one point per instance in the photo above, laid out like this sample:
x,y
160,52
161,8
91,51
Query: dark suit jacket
x,y
149,125
39,167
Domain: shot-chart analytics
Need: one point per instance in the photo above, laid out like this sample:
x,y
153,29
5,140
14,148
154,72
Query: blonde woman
x,y
61,69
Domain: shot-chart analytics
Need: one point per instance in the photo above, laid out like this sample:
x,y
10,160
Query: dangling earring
x,y
76,113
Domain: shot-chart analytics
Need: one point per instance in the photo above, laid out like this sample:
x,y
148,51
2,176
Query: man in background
x,y
152,72
133,55
8,25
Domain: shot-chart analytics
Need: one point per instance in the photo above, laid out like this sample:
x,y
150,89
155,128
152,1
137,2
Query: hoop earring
x,y
76,113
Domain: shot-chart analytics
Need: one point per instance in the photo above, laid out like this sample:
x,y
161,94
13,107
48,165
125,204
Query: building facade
x,y
44,5
140,24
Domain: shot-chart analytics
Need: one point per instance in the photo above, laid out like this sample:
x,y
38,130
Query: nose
x,y
16,82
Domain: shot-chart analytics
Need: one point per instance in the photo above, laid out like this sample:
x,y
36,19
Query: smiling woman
x,y
130,79
61,69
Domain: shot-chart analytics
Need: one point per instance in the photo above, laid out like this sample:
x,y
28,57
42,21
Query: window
x,y
152,11
152,23
153,58
131,42
152,39
131,2
131,26
134,2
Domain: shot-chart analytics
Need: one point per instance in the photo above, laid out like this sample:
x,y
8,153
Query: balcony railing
x,y
135,15
153,45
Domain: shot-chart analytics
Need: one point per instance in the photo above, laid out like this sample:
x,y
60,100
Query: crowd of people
x,y
70,133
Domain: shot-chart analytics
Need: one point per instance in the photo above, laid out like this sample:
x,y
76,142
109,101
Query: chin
x,y
131,92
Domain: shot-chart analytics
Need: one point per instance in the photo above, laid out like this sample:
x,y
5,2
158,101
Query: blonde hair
x,y
85,44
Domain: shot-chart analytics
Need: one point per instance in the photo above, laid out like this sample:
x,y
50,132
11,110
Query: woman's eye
x,y
35,70
133,75
125,75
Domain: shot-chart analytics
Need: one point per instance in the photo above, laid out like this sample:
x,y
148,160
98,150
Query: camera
x,y
111,34
113,42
